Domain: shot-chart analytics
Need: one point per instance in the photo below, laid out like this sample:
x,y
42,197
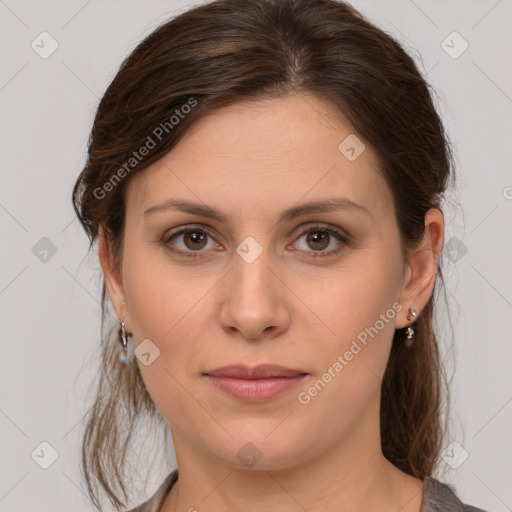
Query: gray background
x,y
49,303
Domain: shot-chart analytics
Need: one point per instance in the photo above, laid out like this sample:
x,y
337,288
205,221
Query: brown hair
x,y
234,50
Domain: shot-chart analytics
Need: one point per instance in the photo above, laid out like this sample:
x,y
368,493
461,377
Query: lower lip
x,y
255,390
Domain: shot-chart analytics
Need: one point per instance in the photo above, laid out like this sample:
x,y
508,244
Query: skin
x,y
283,308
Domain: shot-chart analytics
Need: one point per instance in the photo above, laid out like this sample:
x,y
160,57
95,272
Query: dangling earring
x,y
124,340
409,333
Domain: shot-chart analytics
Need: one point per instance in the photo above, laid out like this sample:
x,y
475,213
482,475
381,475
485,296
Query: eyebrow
x,y
202,210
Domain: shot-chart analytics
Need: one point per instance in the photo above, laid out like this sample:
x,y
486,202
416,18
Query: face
x,y
320,292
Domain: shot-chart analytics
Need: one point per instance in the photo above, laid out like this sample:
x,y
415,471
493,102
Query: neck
x,y
354,475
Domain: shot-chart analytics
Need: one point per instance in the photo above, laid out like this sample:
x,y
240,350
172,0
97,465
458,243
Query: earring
x,y
409,333
124,340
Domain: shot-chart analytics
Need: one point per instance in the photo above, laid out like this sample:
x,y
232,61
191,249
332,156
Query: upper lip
x,y
262,371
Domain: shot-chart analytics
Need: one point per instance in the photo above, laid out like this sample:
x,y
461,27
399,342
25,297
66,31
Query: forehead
x,y
265,153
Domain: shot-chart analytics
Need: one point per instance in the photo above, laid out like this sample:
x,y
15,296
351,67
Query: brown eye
x,y
321,241
191,242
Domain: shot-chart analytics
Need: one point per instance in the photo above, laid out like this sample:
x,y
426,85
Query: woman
x,y
264,180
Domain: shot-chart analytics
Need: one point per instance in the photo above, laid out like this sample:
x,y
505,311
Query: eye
x,y
193,241
319,237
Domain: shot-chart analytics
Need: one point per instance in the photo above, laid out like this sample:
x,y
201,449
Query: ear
x,y
113,279
421,271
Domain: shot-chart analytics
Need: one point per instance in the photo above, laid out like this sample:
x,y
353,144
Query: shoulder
x,y
441,497
156,501
437,497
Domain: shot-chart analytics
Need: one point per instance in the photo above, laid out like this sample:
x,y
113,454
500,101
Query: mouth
x,y
256,384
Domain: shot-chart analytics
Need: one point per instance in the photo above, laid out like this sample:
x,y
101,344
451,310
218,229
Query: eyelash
x,y
317,227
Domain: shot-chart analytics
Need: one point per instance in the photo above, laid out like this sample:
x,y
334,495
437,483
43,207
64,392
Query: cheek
x,y
165,308
351,362
356,309
348,302
157,295
168,306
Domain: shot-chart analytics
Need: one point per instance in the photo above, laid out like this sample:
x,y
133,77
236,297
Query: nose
x,y
254,300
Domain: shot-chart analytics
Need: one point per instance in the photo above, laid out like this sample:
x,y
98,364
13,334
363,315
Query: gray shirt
x,y
437,497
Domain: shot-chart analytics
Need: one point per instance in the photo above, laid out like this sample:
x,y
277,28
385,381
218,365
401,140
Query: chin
x,y
262,449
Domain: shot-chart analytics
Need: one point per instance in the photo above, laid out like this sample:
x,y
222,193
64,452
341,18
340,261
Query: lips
x,y
262,371
257,384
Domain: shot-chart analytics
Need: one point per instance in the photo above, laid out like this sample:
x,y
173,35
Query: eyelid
x,y
188,227
323,227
